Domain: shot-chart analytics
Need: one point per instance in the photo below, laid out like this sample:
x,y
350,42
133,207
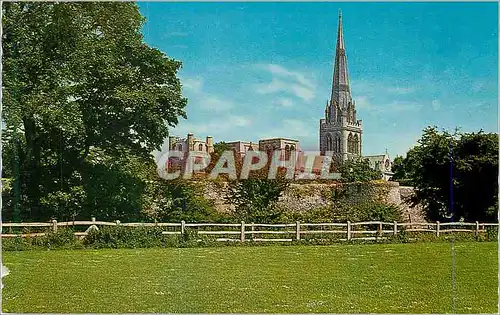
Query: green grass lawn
x,y
391,278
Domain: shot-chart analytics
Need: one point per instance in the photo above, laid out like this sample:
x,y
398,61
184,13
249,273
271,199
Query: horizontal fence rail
x,y
369,230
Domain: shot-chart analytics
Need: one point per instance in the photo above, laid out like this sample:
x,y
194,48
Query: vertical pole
x,y
54,226
380,228
242,236
297,230
348,230
183,227
452,211
453,286
437,228
477,228
395,228
253,230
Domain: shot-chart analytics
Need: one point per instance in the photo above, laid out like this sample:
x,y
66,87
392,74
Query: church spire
x,y
340,87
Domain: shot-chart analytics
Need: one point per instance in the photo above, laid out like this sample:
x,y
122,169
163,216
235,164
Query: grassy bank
x,y
381,278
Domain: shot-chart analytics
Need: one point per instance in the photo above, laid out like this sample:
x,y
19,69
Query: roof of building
x,y
375,158
278,138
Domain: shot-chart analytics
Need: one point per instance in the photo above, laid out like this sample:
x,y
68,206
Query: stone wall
x,y
410,214
303,197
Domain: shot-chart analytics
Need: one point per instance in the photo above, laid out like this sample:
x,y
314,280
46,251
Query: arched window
x,y
200,147
350,143
179,147
336,140
328,142
287,152
355,144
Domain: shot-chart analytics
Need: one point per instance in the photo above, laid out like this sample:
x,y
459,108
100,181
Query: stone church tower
x,y
340,132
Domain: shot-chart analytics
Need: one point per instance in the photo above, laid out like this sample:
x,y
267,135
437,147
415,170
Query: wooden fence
x,y
371,230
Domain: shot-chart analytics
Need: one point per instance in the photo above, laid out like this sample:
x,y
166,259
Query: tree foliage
x,y
358,170
220,147
398,168
85,102
462,166
255,198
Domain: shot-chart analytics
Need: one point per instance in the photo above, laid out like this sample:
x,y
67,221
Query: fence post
x,y
93,220
253,230
437,228
183,227
242,236
395,228
54,226
380,229
477,228
348,230
297,230
117,222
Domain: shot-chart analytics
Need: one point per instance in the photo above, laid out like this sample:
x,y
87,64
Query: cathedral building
x,y
191,143
340,133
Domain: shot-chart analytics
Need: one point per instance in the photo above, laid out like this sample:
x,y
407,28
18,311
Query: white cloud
x,y
192,84
401,106
204,101
362,102
177,34
291,82
277,85
436,104
239,121
477,86
181,46
283,72
292,128
284,102
220,126
295,127
215,103
372,87
400,90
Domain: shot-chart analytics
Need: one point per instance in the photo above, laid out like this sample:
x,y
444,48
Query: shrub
x,y
366,211
64,238
126,237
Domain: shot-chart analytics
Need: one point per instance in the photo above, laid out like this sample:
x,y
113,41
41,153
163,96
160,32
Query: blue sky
x,y
261,70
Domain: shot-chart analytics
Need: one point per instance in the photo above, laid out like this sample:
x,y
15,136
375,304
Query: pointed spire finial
x,y
340,77
340,33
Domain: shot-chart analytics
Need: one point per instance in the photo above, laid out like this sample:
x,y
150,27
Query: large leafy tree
x,y
455,175
476,192
398,168
85,101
